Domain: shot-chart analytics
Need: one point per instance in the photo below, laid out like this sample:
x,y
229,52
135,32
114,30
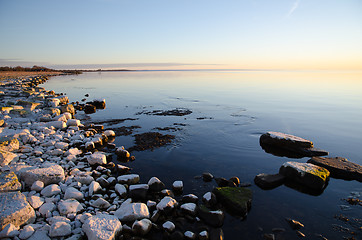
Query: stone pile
x,y
55,183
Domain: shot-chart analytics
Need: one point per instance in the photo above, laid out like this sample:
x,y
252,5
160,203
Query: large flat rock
x,y
48,174
282,144
9,182
307,174
15,209
339,167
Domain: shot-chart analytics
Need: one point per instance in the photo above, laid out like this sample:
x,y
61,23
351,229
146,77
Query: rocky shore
x,y
58,180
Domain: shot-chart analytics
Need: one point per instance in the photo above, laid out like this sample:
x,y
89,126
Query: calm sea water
x,y
235,108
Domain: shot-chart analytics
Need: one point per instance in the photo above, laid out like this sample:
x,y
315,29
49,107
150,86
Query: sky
x,y
188,34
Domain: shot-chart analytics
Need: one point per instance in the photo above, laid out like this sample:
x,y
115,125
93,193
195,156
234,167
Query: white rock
x,y
169,226
121,190
101,203
132,211
73,151
84,179
60,229
26,232
37,186
61,145
109,133
54,102
178,185
35,201
48,173
69,206
129,179
72,192
55,219
189,208
57,124
73,122
189,235
102,227
151,204
46,207
204,234
51,190
166,202
94,187
97,158
142,227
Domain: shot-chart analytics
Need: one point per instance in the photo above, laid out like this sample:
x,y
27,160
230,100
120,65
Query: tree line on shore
x,y
36,69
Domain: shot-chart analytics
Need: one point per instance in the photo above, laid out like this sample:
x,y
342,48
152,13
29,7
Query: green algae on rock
x,y
236,200
307,174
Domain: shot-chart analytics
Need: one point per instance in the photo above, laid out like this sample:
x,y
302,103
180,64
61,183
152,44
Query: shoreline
x,y
63,185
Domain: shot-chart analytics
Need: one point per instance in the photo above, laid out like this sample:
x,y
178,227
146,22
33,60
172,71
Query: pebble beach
x,y
58,180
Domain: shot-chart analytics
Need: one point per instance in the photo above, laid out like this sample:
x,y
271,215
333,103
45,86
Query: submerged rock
x,y
269,181
212,218
236,199
307,174
282,144
339,167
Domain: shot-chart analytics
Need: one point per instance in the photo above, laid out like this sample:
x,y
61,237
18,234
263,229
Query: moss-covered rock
x,y
9,182
307,174
237,200
9,144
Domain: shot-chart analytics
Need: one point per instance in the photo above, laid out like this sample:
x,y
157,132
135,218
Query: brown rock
x,y
339,167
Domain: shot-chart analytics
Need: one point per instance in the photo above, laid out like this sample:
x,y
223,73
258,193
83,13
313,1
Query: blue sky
x,y
260,34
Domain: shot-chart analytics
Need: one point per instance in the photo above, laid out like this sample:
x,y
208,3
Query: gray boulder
x,y
47,173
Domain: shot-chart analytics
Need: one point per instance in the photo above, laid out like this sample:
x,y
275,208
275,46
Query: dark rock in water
x,y
294,224
216,234
269,181
89,108
236,199
156,185
269,236
235,180
173,112
339,167
282,144
190,198
212,218
310,175
209,199
207,177
99,103
222,182
177,235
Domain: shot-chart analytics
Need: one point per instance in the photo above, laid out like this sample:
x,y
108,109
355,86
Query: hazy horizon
x,y
289,34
